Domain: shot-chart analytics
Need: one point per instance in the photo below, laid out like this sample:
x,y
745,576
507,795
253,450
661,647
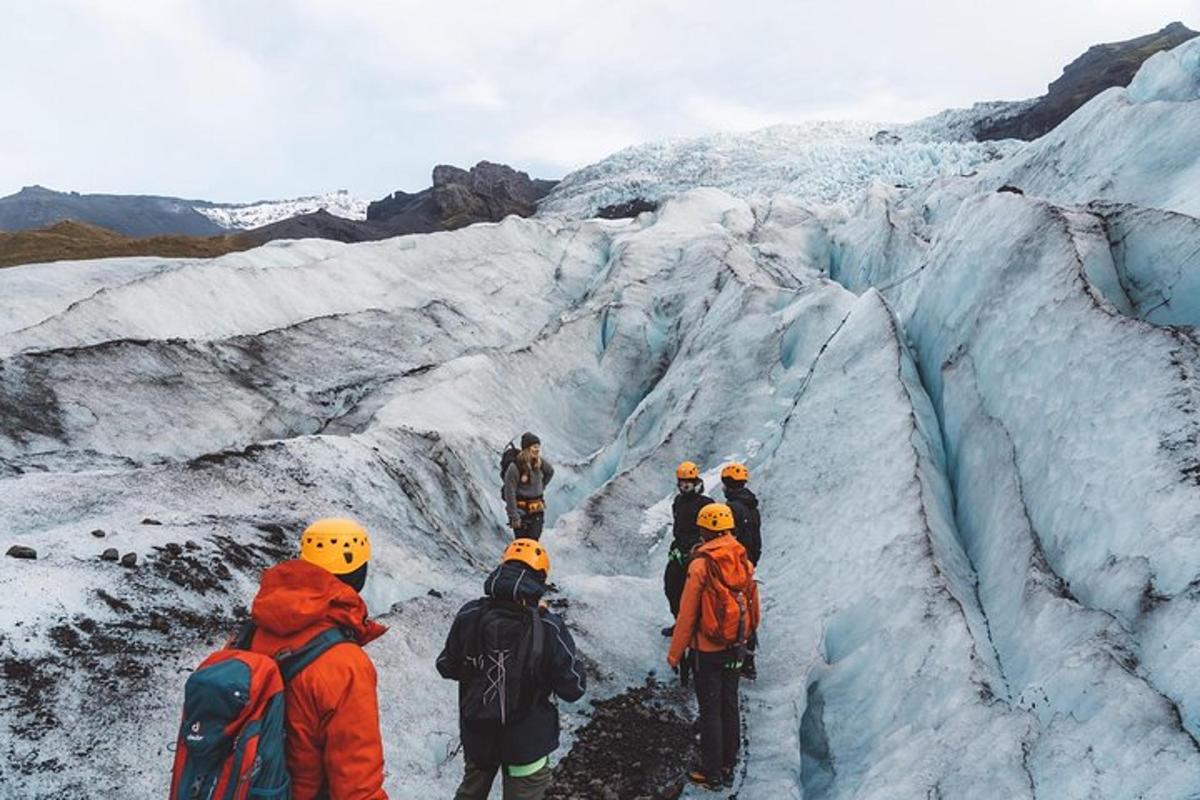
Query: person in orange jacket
x,y
334,750
718,613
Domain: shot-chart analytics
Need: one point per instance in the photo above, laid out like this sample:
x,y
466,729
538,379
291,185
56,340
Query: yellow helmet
x,y
687,471
736,472
715,517
527,551
338,545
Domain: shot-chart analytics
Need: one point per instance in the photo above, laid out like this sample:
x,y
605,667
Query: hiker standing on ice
x,y
718,613
686,535
304,646
525,480
511,656
748,530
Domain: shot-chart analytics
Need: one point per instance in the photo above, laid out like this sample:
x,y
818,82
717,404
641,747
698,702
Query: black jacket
x,y
687,534
536,734
744,505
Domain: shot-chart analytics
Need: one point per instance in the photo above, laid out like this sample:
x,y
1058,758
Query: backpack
x,y
727,613
508,458
232,738
504,656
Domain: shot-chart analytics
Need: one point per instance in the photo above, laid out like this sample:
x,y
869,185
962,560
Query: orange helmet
x,y
339,545
736,472
715,517
529,552
687,471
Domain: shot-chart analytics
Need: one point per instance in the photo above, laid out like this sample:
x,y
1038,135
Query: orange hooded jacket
x,y
333,741
731,557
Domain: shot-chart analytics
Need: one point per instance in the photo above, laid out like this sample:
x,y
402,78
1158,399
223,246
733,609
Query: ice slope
x,y
608,349
245,216
818,163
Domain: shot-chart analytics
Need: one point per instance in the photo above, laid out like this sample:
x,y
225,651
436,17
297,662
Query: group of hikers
x,y
289,707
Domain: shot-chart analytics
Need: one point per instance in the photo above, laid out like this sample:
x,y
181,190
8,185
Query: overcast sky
x,y
246,100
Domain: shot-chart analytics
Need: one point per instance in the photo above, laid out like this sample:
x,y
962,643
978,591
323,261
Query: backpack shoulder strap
x,y
538,643
244,636
292,664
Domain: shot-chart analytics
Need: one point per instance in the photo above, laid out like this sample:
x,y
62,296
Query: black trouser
x,y
531,525
674,578
720,724
477,783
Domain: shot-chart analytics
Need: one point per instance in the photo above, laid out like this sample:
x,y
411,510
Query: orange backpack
x,y
729,603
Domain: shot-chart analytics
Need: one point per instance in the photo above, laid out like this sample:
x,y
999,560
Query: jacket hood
x,y
516,582
730,558
742,495
297,597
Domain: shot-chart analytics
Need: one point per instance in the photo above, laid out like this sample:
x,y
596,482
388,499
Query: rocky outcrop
x,y
1101,67
488,192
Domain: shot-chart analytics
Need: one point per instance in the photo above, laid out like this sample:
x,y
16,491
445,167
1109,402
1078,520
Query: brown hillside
x,y
74,241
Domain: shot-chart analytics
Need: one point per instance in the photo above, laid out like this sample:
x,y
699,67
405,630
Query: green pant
x,y
477,782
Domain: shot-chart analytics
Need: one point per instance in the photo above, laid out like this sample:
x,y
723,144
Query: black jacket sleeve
x,y
567,677
753,535
450,660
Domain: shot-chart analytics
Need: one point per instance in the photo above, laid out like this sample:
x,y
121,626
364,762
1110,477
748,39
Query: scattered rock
x,y
110,554
1010,189
21,551
150,521
190,545
637,745
173,549
99,534
129,560
628,209
435,593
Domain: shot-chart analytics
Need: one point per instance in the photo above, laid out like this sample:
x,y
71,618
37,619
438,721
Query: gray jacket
x,y
532,487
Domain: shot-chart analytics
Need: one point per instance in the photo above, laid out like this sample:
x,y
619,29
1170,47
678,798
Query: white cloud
x,y
233,100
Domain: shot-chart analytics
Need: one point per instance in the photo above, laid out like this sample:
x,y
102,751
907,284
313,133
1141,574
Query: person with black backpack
x,y
289,707
685,534
717,616
526,474
511,657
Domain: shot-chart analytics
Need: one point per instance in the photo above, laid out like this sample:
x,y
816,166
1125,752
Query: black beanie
x,y
528,440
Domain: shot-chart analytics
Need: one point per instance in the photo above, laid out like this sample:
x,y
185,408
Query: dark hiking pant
x,y
674,578
477,783
720,724
531,525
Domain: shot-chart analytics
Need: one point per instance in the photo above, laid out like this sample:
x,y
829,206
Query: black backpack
x,y
507,459
504,656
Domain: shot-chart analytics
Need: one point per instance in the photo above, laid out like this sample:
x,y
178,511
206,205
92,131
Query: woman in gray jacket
x,y
525,482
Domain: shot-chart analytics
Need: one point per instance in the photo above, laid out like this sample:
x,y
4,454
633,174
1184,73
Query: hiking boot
x,y
704,782
668,631
749,671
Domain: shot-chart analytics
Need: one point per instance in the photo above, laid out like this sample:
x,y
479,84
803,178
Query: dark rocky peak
x,y
1102,67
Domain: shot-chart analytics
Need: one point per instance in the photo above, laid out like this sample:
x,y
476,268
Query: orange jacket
x,y
333,741
728,552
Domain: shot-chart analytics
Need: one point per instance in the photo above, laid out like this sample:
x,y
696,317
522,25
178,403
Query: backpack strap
x,y
291,664
537,645
244,636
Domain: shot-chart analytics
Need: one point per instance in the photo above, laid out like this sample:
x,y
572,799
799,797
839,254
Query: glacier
x,y
245,216
964,378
